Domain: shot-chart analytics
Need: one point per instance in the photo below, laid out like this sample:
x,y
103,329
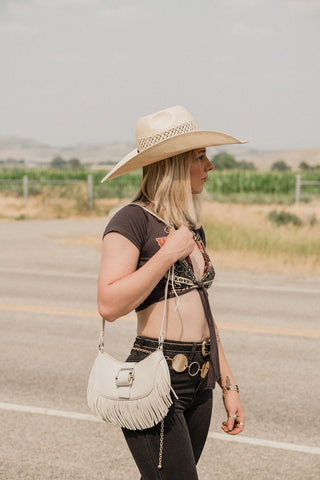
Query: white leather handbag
x,y
133,395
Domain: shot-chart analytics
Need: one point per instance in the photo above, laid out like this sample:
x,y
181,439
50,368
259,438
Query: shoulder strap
x,y
170,273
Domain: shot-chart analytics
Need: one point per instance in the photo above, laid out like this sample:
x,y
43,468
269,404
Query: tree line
x,y
226,161
221,161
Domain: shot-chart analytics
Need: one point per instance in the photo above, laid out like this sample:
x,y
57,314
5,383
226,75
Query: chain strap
x,y
161,445
141,350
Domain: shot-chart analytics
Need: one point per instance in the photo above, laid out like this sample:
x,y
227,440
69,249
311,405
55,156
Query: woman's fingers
x,y
233,425
235,421
237,428
231,422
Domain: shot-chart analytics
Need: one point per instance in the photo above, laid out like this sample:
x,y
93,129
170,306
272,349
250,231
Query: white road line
x,y
48,411
271,288
243,286
260,442
49,273
215,436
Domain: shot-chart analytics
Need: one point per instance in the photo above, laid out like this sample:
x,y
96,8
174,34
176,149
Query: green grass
x,y
236,185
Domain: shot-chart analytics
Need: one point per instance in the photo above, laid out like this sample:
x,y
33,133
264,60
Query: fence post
x,y
90,191
25,189
298,188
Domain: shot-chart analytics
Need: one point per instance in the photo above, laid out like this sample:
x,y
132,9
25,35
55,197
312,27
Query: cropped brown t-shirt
x,y
148,234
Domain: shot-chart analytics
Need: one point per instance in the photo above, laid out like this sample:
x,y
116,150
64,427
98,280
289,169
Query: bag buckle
x,y
125,377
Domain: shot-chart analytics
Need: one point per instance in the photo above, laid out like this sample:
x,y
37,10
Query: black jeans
x,y
187,423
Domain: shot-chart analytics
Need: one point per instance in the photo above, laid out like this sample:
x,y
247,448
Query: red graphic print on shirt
x,y
161,241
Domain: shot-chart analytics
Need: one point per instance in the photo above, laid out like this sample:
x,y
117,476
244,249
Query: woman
x,y
161,229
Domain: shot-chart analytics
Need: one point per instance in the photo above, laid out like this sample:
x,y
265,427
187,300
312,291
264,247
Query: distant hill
x,y
34,152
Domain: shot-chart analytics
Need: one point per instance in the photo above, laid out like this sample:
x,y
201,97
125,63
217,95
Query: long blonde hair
x,y
166,190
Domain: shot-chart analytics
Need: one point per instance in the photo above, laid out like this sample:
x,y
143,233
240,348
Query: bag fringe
x,y
135,414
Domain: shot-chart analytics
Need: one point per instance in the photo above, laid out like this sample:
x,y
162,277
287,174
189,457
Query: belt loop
x,y
193,350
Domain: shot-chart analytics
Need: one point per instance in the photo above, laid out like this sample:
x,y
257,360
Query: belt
x,y
174,346
179,362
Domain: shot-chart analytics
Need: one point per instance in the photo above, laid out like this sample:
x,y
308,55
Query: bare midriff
x,y
186,324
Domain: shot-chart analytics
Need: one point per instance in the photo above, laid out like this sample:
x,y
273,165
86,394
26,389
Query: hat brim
x,y
168,148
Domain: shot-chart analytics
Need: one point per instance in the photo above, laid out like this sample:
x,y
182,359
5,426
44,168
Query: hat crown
x,y
159,126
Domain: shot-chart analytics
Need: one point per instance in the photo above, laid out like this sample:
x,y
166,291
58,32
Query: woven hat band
x,y
143,143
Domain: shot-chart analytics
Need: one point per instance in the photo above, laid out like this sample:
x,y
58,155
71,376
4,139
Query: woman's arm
x,y
231,398
121,287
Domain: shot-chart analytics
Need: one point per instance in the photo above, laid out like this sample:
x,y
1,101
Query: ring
x,y
232,416
241,423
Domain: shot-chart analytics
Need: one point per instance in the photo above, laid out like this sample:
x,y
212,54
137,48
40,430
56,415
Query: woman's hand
x,y
233,425
179,243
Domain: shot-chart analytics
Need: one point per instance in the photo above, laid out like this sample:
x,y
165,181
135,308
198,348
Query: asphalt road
x,y
49,328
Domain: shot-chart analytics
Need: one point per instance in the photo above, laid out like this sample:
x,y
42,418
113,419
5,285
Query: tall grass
x,y
245,236
288,241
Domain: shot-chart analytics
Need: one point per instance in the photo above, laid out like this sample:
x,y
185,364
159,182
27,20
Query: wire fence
x,y
300,183
88,185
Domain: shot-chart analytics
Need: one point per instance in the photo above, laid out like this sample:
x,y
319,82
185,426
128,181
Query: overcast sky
x,y
83,71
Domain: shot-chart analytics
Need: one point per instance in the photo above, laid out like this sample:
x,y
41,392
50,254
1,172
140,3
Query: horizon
x,y
131,144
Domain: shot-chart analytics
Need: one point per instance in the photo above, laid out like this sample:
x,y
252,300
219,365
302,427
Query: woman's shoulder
x,y
130,221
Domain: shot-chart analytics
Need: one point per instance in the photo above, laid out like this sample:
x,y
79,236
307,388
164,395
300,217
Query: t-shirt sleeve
x,y
131,222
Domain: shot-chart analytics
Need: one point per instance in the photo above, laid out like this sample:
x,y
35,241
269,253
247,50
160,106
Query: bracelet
x,y
233,387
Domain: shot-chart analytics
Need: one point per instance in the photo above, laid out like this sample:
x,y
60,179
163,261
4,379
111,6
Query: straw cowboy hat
x,y
163,134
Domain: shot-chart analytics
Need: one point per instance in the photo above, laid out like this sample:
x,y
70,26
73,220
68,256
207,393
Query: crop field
x,y
234,185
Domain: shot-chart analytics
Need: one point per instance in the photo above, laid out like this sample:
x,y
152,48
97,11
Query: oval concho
x,y
204,369
179,362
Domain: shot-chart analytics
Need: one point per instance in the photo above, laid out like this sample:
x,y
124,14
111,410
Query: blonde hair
x,y
166,191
